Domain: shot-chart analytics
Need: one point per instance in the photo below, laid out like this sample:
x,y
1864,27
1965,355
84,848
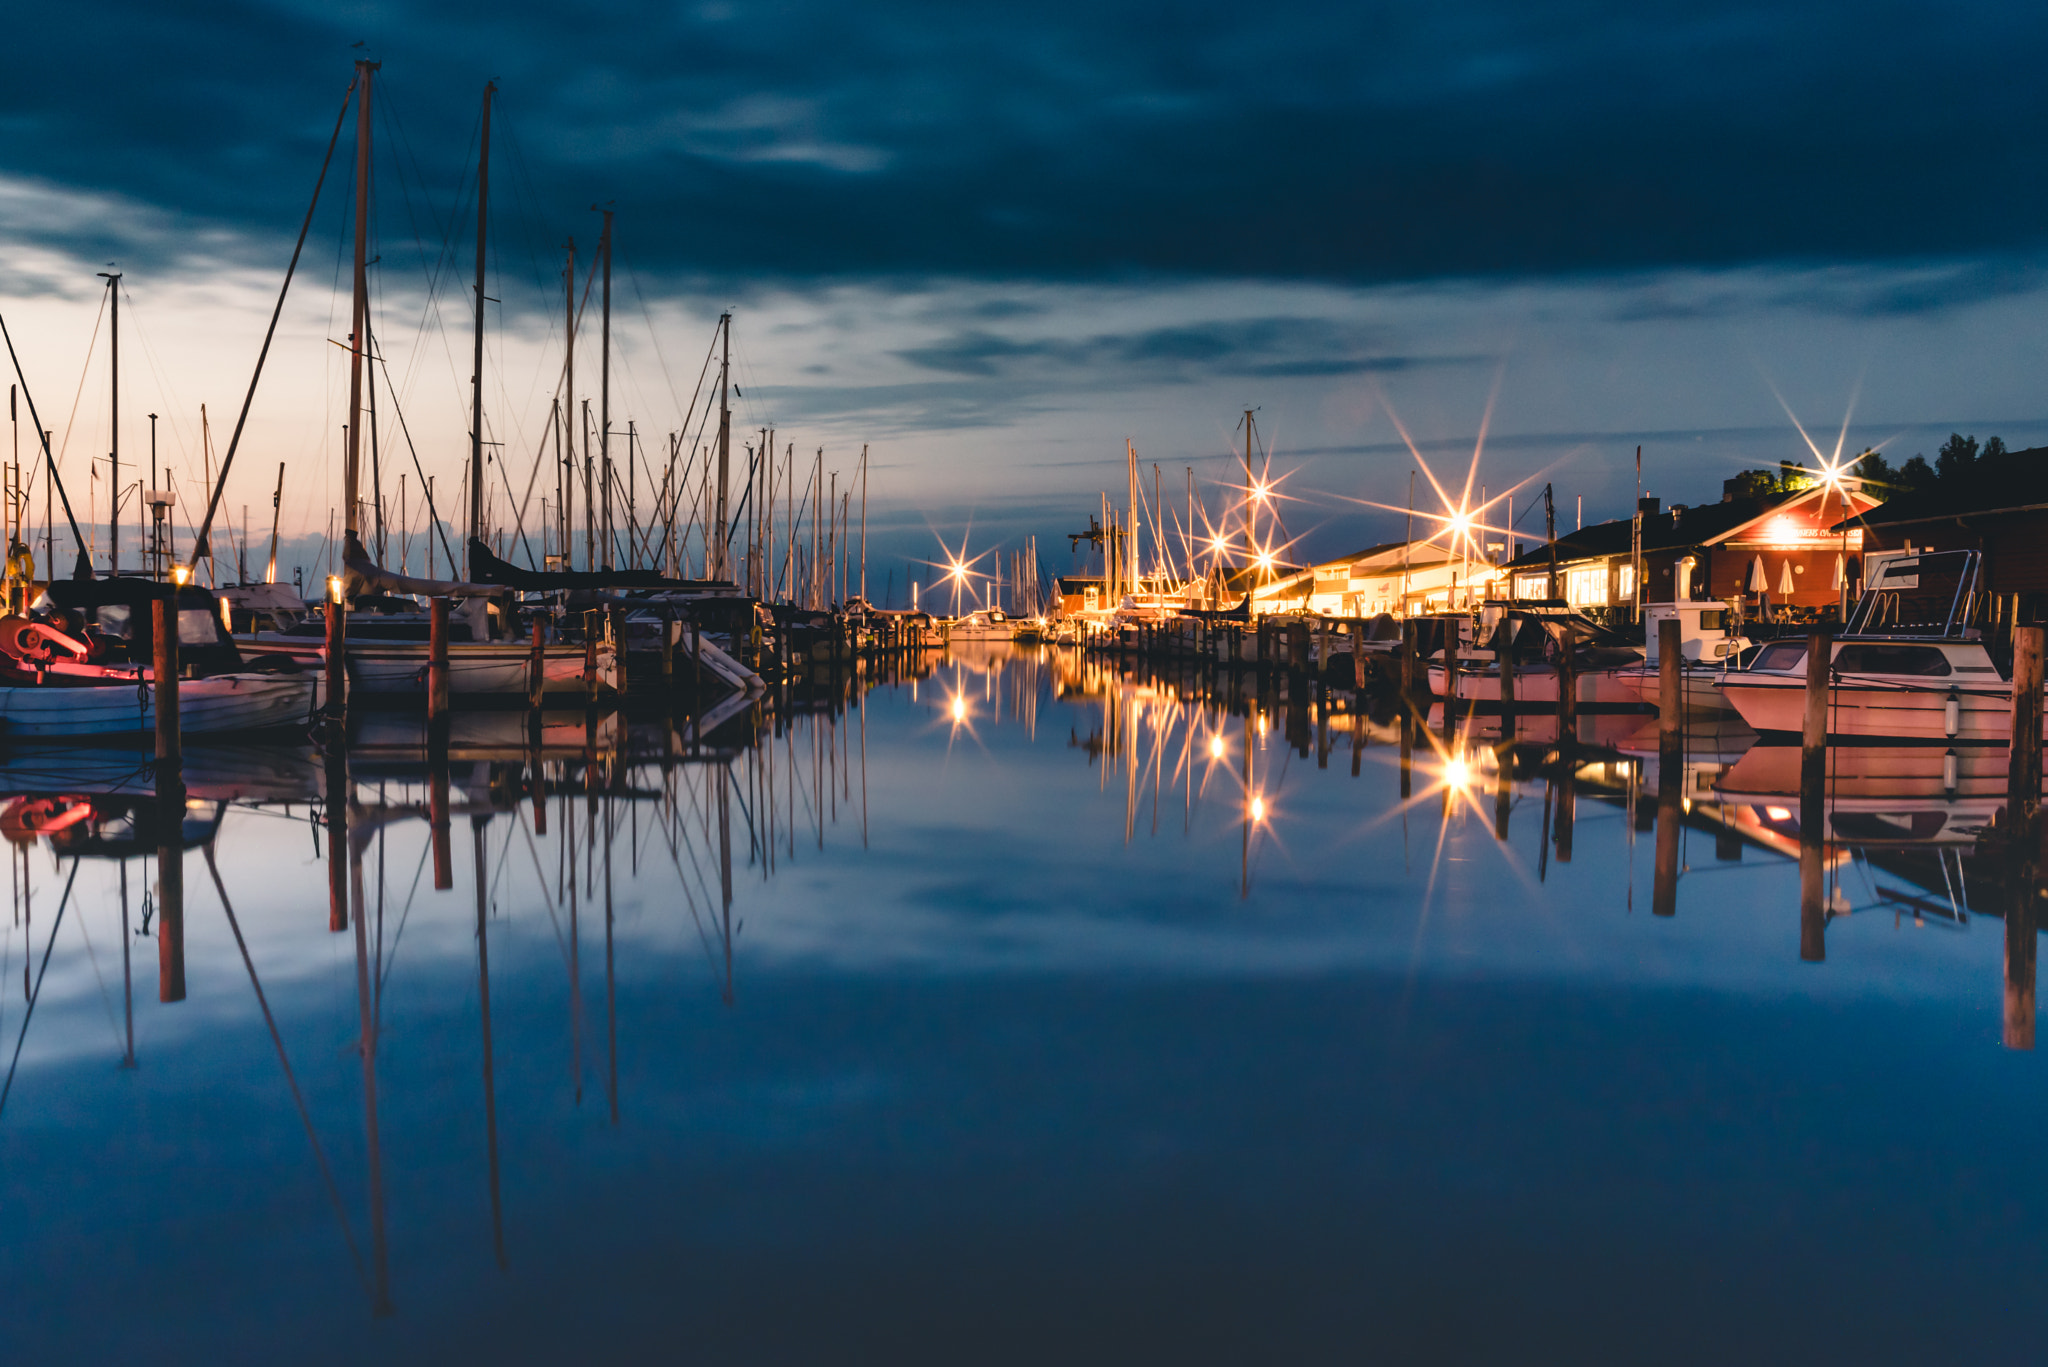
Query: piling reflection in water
x,y
584,827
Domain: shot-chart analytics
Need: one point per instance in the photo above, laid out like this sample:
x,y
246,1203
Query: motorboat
x,y
983,624
1910,666
1708,649
1535,633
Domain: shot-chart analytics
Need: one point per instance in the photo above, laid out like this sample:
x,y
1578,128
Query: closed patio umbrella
x,y
1758,583
1785,582
1841,575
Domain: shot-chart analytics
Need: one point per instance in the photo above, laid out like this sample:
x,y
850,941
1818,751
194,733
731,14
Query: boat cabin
x,y
115,621
1703,635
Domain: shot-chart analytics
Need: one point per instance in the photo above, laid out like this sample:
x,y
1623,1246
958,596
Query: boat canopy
x,y
488,568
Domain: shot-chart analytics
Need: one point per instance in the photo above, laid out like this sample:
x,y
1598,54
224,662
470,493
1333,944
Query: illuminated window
x,y
1586,588
1625,582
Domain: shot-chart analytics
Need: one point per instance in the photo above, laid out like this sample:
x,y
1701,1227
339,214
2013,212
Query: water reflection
x,y
514,1013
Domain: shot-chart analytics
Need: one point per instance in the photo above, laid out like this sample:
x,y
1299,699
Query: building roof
x,y
2014,482
1682,528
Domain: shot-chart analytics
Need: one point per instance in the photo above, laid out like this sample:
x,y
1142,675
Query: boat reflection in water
x,y
740,985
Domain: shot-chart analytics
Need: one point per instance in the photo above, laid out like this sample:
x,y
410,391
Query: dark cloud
x,y
1362,141
1271,347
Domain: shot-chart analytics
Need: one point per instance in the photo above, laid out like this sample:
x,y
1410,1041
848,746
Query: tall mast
x,y
568,413
724,440
114,438
276,507
359,330
604,388
1251,522
1131,536
476,379
863,522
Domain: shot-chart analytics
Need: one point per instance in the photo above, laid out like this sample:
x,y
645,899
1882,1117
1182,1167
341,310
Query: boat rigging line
x,y
201,547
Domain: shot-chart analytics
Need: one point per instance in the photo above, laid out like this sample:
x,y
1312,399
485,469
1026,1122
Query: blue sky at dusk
x,y
995,242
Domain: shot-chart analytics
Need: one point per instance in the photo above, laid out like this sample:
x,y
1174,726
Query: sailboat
x,y
386,649
82,662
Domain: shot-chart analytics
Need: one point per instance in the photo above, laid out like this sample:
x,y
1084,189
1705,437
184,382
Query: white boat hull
x,y
1778,703
475,670
222,704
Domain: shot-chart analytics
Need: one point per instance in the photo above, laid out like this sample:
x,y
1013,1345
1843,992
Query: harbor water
x,y
1028,1010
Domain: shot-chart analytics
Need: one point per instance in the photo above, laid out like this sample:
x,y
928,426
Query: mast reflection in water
x,y
1030,1007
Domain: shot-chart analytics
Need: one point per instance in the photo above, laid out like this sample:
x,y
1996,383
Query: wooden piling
x,y
1813,760
1670,683
592,620
337,661
1358,656
2023,775
169,739
437,662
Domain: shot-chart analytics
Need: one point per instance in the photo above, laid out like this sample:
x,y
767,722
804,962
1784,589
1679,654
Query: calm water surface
x,y
1009,1015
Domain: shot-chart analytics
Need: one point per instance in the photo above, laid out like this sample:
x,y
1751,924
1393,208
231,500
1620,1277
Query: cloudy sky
x,y
994,243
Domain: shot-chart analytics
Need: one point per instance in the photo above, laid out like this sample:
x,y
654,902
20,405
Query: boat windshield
x,y
1932,593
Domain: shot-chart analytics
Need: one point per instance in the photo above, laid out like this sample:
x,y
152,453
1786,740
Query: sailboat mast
x,y
359,330
604,388
476,378
724,440
1131,534
114,437
276,507
566,496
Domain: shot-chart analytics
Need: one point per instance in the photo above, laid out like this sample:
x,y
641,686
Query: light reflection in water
x,y
630,867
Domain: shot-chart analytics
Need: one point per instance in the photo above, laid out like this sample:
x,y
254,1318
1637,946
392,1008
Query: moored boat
x,y
1911,666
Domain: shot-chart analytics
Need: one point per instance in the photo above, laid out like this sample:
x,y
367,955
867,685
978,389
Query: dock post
x,y
170,797
1358,656
1409,632
1567,690
437,662
1670,684
337,660
669,630
591,620
2023,778
1813,763
170,747
2023,846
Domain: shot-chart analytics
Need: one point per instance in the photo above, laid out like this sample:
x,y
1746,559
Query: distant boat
x,y
984,624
